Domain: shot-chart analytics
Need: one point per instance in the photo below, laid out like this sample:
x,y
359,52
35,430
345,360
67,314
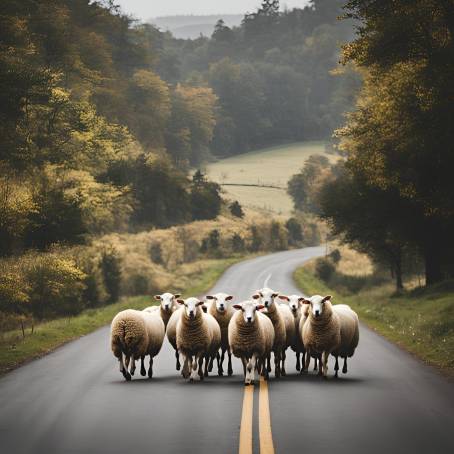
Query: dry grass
x,y
270,166
352,262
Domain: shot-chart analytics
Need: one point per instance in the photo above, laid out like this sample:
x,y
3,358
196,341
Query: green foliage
x,y
295,232
205,198
111,271
324,269
236,209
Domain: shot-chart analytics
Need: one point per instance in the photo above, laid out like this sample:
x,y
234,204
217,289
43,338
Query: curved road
x,y
75,401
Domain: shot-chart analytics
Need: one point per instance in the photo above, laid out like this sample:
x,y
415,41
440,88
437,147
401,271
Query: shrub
x,y
335,256
237,243
277,239
256,240
56,285
156,253
236,209
295,232
111,270
324,269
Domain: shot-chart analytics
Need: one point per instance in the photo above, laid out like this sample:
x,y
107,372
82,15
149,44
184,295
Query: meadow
x,y
266,167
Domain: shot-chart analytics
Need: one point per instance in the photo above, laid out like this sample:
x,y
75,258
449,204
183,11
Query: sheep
x,y
198,338
321,331
171,332
297,308
251,338
134,335
267,297
168,305
222,310
349,332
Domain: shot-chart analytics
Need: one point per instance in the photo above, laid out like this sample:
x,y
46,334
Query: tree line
x,y
392,196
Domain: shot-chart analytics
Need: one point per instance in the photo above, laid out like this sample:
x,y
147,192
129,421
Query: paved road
x,y
75,400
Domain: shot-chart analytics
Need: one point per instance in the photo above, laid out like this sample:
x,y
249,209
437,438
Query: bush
x,y
256,240
295,232
111,270
237,243
205,198
56,285
277,238
156,253
324,269
335,256
236,209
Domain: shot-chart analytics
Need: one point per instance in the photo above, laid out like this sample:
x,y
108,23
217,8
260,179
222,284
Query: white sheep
x,y
198,338
220,307
266,297
251,338
349,333
321,331
134,335
297,308
171,332
168,305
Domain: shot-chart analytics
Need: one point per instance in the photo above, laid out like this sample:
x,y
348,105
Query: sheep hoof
x,y
150,374
220,373
344,370
178,366
127,376
143,372
336,375
283,373
298,367
230,371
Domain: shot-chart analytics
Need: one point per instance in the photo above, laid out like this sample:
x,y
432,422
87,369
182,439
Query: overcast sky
x,y
145,9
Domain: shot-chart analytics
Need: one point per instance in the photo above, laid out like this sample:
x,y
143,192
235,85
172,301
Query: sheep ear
x,y
177,295
204,309
327,298
157,297
260,307
229,298
274,295
256,296
237,306
200,303
283,297
180,301
303,300
210,297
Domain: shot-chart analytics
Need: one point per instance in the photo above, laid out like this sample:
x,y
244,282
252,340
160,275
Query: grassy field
x,y
421,321
14,350
270,167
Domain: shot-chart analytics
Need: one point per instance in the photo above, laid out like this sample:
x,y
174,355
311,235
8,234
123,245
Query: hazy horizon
x,y
146,9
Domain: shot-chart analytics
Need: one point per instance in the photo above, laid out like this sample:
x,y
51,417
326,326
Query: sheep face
x,y
191,306
249,309
167,301
294,302
266,297
317,303
222,301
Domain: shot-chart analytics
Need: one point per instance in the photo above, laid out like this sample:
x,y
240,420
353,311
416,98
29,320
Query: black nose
x,y
266,303
249,319
317,313
222,307
191,313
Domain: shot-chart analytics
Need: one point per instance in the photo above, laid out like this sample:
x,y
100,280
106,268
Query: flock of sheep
x,y
204,331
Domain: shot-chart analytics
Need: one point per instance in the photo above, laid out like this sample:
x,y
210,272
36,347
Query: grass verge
x,y
16,350
421,321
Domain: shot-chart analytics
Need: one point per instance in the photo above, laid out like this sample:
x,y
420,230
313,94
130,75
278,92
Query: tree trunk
x,y
398,274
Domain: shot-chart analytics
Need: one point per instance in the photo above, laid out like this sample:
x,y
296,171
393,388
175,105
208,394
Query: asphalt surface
x,y
75,400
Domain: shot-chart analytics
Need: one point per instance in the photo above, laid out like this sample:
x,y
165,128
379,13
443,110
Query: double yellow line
x,y
265,434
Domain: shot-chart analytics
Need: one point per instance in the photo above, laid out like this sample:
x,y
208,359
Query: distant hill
x,y
190,27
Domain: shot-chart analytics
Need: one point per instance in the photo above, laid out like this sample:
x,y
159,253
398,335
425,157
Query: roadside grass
x,y
269,166
47,336
421,320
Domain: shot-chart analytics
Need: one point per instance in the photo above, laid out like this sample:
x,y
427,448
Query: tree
x,y
295,232
205,198
111,271
236,209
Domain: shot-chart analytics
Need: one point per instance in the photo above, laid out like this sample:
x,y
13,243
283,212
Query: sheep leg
x,y
193,367
210,363
177,356
306,362
303,363
143,372
325,364
284,356
123,369
344,369
298,364
315,363
277,364
127,361
219,360
187,365
207,360
336,367
150,369
250,371
230,368
265,373
268,363
200,372
132,369
243,360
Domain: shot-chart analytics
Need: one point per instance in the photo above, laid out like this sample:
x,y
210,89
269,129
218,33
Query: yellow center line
x,y
246,421
266,436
